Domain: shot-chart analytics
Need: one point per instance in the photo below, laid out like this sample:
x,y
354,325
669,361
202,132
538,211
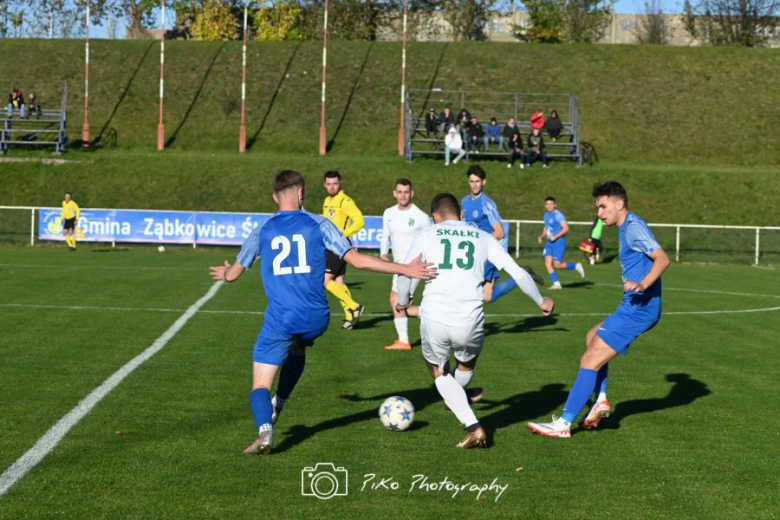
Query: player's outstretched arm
x,y
415,269
660,263
227,272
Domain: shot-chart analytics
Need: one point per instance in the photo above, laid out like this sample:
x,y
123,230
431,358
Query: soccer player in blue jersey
x,y
480,211
643,262
292,245
554,232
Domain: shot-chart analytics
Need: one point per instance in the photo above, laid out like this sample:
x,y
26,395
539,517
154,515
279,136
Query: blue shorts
x,y
272,345
633,317
557,249
491,273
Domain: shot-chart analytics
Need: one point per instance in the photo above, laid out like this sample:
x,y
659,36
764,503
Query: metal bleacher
x,y
36,130
486,105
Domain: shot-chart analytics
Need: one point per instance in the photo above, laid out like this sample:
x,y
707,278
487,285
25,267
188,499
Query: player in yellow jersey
x,y
344,213
70,217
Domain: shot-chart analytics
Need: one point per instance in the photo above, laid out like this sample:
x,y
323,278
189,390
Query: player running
x,y
344,213
452,318
481,212
643,262
399,224
292,245
71,213
555,229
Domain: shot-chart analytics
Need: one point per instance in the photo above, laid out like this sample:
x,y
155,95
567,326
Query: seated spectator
x,y
537,120
453,144
464,120
535,149
553,125
494,135
32,105
16,100
446,120
431,123
510,128
515,147
476,135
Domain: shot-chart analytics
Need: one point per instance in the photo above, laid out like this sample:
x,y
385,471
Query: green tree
x,y
215,20
279,21
467,18
586,21
546,22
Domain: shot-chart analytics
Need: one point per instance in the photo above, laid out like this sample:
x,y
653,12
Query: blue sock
x,y
502,288
289,375
570,266
601,380
579,395
260,402
554,277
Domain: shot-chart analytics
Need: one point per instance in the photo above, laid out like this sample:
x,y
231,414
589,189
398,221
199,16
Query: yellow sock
x,y
341,292
73,241
68,239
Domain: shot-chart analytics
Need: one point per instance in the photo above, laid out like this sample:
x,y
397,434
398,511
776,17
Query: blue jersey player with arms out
x,y
642,262
292,245
554,233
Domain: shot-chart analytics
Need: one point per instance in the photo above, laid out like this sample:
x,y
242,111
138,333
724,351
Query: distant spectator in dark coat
x,y
510,128
16,100
32,105
476,135
536,149
553,125
515,150
537,120
464,121
446,120
431,123
494,135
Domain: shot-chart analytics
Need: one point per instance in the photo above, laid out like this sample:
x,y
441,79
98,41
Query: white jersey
x,y
459,252
398,229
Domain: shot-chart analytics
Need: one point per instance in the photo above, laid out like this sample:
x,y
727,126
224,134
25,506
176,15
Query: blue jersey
x,y
637,242
481,212
292,245
552,222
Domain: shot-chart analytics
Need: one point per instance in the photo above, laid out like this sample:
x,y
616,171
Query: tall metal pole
x,y
323,132
242,128
85,127
160,124
401,127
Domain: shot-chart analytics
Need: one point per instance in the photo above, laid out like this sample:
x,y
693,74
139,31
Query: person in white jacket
x,y
453,144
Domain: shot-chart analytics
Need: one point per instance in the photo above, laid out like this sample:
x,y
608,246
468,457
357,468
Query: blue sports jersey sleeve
x,y
490,210
560,217
250,249
333,239
640,238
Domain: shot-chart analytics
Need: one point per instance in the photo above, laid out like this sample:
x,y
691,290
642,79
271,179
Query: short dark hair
x,y
332,174
68,193
610,189
404,182
550,199
285,179
476,170
445,204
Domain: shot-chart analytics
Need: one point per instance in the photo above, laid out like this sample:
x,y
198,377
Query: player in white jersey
x,y
399,224
452,318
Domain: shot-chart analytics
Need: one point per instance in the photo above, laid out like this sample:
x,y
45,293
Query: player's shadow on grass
x,y
684,391
578,285
521,407
294,435
530,324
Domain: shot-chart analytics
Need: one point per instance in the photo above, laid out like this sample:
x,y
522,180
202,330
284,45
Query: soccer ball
x,y
396,413
161,249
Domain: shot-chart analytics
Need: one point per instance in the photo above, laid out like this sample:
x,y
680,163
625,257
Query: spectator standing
x,y
446,120
453,143
494,135
536,149
476,135
431,123
553,125
16,100
515,147
510,128
537,120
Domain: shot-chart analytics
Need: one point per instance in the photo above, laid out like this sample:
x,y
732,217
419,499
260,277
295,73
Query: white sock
x,y
455,397
402,328
602,397
462,377
278,403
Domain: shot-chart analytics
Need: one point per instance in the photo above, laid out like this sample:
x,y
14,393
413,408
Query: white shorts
x,y
440,341
415,283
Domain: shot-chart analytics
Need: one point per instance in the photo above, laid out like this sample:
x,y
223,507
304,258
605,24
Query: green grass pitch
x,y
694,430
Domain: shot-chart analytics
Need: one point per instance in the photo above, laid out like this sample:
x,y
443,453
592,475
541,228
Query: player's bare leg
x,y
455,398
570,266
263,376
401,320
353,311
550,267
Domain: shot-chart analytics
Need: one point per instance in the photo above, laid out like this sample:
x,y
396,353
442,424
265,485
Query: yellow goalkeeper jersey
x,y
70,210
344,213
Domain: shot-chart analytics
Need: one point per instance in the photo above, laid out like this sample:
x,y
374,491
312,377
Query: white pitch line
x,y
110,267
702,291
55,434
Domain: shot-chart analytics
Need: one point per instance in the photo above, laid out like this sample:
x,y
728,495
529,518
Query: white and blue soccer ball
x,y
396,413
161,249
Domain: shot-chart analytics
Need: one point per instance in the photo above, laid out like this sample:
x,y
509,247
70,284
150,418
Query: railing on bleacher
x,y
40,129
